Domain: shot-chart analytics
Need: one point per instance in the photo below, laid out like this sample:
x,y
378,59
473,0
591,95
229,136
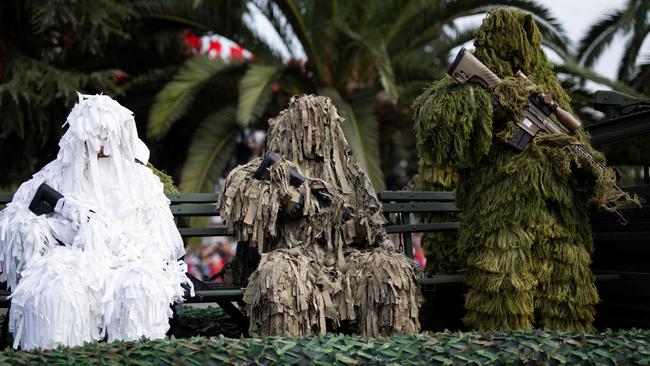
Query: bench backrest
x,y
399,207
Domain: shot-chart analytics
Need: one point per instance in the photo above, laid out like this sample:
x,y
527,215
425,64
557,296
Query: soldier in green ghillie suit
x,y
322,262
525,236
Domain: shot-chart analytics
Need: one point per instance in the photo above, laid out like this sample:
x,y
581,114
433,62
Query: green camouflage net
x,y
519,348
525,238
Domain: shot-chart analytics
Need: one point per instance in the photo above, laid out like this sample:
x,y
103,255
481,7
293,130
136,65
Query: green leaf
x,y
362,131
573,69
210,150
599,36
255,92
377,48
292,12
443,360
376,45
345,359
174,99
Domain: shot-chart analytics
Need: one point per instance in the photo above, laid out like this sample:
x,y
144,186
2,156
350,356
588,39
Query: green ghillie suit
x,y
322,264
525,236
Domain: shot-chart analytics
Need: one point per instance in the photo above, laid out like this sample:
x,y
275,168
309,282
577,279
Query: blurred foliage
x,y
197,114
372,59
633,23
52,49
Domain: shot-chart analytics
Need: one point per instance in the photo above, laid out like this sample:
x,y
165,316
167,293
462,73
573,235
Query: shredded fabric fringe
x,y
312,256
119,273
525,240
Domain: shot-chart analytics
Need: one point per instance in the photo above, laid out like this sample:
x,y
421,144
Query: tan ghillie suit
x,y
332,262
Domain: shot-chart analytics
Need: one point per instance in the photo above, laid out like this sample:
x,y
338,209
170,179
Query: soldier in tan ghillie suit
x,y
320,261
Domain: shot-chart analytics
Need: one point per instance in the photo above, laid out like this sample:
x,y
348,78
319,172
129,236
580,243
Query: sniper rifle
x,y
536,115
295,180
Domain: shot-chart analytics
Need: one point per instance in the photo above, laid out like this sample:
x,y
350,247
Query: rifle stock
x,y
536,116
467,68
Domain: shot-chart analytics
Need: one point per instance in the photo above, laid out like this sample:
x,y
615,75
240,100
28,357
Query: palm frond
x,y
255,92
174,99
428,27
598,37
640,31
412,9
584,73
292,12
361,130
443,45
642,77
632,50
153,75
377,48
224,17
278,21
376,45
209,151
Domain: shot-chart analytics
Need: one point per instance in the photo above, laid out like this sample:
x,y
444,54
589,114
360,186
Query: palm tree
x,y
630,21
44,59
367,57
50,50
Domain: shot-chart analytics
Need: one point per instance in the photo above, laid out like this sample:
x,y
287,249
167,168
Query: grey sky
x,y
576,17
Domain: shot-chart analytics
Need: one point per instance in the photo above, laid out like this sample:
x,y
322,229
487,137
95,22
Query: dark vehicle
x,y
624,251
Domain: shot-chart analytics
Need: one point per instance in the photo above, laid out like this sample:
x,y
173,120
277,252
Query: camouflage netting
x,y
525,236
519,348
311,263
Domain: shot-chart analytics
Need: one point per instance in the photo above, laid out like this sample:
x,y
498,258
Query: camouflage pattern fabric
x,y
624,347
326,264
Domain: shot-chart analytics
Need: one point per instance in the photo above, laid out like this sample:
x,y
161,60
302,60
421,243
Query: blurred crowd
x,y
214,252
211,257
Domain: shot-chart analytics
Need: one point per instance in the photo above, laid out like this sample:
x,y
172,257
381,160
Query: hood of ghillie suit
x,y
309,134
509,41
98,123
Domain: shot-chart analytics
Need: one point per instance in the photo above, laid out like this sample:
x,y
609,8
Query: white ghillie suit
x,y
331,262
118,270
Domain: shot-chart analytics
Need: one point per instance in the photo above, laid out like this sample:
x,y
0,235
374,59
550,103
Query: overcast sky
x,y
577,16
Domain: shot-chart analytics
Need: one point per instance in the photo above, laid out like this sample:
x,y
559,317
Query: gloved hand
x,y
73,211
65,232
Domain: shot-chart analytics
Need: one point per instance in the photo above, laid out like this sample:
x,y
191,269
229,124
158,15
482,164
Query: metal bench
x,y
400,208
398,205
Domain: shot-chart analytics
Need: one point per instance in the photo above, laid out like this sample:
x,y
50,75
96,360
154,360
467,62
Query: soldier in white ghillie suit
x,y
105,262
325,255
